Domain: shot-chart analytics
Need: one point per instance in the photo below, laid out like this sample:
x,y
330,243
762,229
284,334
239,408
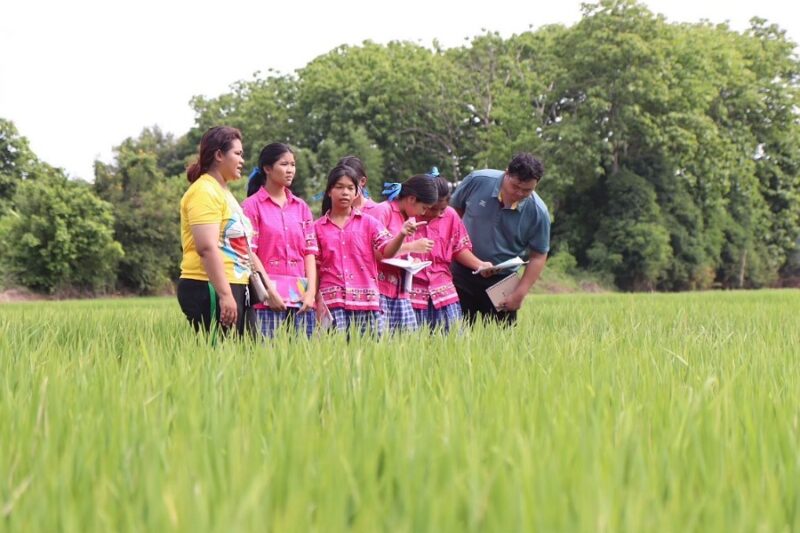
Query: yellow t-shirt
x,y
207,202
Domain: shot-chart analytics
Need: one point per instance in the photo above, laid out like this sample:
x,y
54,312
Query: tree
x,y
60,236
146,201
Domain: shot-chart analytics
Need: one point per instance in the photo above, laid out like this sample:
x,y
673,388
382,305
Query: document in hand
x,y
505,265
502,289
291,288
411,267
324,316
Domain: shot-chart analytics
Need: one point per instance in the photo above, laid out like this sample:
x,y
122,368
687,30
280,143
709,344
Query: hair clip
x,y
391,190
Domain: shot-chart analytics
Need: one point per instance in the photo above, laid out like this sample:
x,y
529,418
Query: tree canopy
x,y
671,150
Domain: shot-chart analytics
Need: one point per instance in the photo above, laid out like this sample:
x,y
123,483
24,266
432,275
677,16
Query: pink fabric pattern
x,y
436,282
283,236
390,278
348,270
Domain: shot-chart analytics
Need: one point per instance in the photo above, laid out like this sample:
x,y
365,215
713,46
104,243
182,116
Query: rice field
x,y
676,412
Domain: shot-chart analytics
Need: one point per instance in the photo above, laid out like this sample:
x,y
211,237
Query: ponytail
x,y
193,172
256,181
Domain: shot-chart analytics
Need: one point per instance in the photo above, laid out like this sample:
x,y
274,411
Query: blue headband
x,y
434,173
391,190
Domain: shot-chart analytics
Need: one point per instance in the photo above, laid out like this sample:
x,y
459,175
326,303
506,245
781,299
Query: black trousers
x,y
194,297
474,301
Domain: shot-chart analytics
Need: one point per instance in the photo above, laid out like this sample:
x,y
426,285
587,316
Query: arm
x,y
205,238
466,258
529,277
419,246
391,248
274,299
311,292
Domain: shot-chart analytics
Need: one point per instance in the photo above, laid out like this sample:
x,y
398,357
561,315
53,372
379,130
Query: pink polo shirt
x,y
436,282
283,236
390,278
369,207
346,261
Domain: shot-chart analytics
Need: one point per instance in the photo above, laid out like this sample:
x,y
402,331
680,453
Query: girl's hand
x,y
308,302
410,227
274,299
421,246
487,273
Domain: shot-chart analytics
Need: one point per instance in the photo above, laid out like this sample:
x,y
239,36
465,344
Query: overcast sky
x,y
79,76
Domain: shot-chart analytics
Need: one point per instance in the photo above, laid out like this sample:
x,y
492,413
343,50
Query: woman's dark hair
x,y
338,172
217,138
442,187
355,163
268,157
421,187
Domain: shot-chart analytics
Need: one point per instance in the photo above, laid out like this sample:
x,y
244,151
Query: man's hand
x,y
514,301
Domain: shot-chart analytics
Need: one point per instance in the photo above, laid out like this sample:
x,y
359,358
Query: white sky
x,y
79,76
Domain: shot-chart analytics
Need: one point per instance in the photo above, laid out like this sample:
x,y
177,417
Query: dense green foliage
x,y
657,412
672,150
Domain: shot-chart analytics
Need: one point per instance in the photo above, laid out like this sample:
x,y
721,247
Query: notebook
x,y
502,289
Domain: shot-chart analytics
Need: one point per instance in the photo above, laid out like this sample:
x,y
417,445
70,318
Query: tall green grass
x,y
597,413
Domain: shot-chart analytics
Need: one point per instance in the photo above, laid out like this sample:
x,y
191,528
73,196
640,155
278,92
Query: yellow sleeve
x,y
203,206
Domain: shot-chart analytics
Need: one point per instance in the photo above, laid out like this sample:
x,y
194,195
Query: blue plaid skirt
x,y
445,318
364,321
269,321
399,314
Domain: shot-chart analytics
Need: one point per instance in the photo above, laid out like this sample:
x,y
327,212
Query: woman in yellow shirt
x,y
215,268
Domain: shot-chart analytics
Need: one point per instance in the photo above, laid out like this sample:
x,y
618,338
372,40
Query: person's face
x,y
231,162
515,190
415,208
437,209
343,193
282,171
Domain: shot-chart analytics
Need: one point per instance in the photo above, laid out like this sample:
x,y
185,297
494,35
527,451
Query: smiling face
x,y
231,162
282,171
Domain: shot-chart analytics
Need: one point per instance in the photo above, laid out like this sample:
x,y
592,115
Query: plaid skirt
x,y
446,317
364,321
269,321
399,314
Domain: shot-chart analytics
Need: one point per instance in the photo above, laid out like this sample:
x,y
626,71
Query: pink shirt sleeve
x,y
379,235
310,235
250,210
459,238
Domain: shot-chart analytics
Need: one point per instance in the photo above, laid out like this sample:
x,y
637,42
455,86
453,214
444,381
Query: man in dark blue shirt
x,y
505,218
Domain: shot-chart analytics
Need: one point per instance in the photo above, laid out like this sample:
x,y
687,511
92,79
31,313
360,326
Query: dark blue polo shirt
x,y
500,233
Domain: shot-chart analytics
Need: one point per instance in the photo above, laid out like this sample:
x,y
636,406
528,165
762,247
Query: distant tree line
x,y
672,151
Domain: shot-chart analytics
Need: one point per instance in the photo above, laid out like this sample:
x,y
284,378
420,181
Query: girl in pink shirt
x,y
404,201
433,294
349,245
363,202
284,241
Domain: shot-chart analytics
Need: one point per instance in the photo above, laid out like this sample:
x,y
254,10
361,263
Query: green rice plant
x,y
613,412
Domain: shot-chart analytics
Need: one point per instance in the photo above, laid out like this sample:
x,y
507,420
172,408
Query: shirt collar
x,y
326,218
498,193
395,205
264,196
